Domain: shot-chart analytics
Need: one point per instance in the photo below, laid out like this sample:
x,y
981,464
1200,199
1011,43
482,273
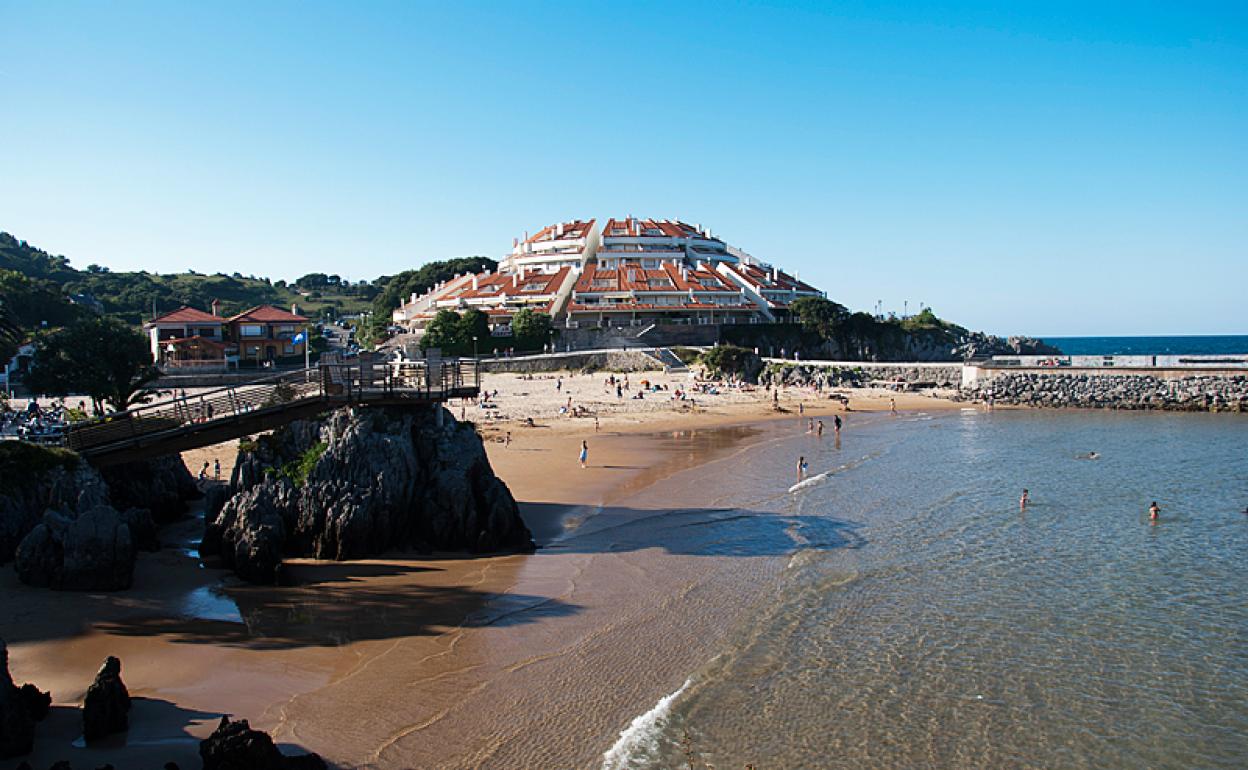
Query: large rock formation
x,y
35,480
91,552
162,486
235,746
359,483
20,708
106,708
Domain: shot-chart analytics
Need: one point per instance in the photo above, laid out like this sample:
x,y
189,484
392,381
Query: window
x,y
602,283
251,330
661,283
533,287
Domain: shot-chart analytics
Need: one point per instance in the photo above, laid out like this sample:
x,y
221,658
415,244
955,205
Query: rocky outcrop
x,y
235,746
1113,391
980,345
90,552
162,485
359,483
20,708
106,708
35,480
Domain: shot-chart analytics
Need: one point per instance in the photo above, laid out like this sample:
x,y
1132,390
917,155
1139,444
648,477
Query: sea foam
x,y
638,743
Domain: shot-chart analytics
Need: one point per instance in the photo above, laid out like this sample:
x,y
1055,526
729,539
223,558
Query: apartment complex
x,y
630,272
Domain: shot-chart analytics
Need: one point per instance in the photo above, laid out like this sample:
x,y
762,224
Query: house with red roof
x,y
189,338
770,287
267,334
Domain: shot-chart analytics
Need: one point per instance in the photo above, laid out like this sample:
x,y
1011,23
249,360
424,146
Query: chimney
x,y
216,307
775,273
559,230
474,281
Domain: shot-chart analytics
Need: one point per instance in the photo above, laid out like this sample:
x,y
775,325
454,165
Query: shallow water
x,y
919,619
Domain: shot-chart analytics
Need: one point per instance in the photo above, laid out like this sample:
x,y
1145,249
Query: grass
x,y
20,461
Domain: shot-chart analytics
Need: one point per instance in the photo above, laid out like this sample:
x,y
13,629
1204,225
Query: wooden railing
x,y
336,383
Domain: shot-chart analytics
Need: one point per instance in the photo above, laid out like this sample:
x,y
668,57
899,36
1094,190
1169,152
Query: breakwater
x,y
1136,391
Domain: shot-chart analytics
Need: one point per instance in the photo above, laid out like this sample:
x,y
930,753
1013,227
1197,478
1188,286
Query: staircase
x,y
671,362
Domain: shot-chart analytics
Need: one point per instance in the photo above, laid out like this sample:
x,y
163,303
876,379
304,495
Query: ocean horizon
x,y
1173,345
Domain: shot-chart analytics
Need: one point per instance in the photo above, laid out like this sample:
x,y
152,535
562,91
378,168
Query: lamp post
x,y
474,347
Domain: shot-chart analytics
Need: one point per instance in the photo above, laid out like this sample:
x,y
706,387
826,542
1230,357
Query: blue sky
x,y
1056,168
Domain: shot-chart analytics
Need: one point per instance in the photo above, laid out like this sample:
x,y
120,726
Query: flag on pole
x,y
298,338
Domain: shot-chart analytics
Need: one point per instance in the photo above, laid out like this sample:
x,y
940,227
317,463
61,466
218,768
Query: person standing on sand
x,y
892,405
1022,501
507,440
584,452
1154,511
203,472
216,468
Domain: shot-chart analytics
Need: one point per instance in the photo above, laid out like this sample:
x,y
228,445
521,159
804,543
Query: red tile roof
x,y
668,278
187,314
632,227
762,278
571,230
268,314
496,284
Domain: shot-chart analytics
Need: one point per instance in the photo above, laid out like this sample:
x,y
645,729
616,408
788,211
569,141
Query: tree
x,y
820,315
396,289
530,329
98,356
453,333
10,332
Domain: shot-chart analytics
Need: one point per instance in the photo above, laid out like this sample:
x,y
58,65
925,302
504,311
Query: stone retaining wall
x,y
857,375
1198,393
597,360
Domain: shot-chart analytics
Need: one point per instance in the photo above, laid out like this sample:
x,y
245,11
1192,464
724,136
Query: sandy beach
x,y
506,661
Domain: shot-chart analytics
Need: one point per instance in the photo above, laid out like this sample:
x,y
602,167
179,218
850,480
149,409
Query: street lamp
x,y
474,347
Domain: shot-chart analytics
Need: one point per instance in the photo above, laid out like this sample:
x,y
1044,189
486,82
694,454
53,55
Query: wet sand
x,y
445,662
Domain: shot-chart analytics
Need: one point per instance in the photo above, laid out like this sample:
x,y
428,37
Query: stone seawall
x,y
600,360
858,375
1196,393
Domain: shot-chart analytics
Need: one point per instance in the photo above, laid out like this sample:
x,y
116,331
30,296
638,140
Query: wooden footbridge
x,y
209,417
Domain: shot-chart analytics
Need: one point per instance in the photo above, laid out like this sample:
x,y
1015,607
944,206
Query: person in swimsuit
x,y
584,453
1154,511
819,428
1022,501
801,468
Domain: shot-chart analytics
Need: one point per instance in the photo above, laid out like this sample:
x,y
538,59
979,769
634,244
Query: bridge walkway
x,y
190,421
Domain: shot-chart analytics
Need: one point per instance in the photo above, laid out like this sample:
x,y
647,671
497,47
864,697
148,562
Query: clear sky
x,y
1048,168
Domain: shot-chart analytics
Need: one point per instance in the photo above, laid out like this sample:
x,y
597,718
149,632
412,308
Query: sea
x,y
1152,346
917,617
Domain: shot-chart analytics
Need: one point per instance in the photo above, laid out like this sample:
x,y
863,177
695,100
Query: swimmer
x,y
801,468
1154,511
810,426
1022,501
819,428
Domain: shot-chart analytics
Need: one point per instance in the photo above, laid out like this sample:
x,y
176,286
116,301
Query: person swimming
x,y
1154,511
1022,501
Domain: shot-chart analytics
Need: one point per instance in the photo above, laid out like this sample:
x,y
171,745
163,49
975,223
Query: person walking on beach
x,y
892,405
507,440
1154,511
801,469
584,452
1022,501
203,472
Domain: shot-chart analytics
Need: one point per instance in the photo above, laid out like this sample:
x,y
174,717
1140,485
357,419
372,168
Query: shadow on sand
x,y
335,603
160,732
